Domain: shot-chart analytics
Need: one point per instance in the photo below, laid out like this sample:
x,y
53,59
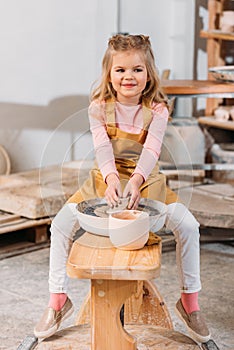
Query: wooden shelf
x,y
216,34
211,121
196,87
216,51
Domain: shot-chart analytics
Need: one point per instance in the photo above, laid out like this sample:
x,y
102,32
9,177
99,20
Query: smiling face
x,y
128,76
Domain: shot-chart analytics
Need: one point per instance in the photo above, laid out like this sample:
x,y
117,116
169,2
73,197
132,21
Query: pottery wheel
x,y
102,210
93,214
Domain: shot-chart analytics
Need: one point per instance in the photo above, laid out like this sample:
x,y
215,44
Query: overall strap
x,y
147,116
110,117
110,114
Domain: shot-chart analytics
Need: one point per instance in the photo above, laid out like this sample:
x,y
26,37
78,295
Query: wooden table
x,y
212,122
198,88
114,274
118,278
201,88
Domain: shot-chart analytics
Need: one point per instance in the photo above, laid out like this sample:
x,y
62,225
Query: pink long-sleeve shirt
x,y
130,119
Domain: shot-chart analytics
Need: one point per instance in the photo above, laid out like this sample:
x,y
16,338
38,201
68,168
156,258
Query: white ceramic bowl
x,y
222,113
134,245
223,73
227,21
129,229
93,224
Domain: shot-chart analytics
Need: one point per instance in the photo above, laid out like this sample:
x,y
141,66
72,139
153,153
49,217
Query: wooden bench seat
x,y
118,278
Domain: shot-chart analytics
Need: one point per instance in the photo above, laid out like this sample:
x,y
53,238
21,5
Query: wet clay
x,y
127,215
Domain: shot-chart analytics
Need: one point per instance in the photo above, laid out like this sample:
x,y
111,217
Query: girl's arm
x,y
104,153
113,192
153,143
132,190
149,155
102,145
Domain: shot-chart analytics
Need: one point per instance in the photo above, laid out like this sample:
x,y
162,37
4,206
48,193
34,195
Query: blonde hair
x,y
119,43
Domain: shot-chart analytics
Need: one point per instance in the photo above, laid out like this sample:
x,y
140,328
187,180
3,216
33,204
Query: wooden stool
x,y
118,278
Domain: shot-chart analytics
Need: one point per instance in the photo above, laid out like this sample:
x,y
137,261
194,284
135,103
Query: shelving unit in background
x,y
210,89
215,52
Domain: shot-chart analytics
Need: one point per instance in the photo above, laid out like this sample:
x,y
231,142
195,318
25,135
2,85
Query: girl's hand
x,y
113,191
132,190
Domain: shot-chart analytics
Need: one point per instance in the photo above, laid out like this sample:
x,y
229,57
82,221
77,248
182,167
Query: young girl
x,y
128,117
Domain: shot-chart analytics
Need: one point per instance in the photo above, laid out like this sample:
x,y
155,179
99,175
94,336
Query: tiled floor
x,y
23,293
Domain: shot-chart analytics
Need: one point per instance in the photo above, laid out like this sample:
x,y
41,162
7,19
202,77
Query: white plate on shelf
x,y
223,73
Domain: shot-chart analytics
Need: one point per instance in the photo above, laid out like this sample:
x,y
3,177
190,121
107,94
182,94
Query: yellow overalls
x,y
127,148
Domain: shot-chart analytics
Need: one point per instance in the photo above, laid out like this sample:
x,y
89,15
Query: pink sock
x,y
190,302
57,300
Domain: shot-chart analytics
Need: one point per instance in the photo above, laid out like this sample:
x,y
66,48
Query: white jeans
x,y
179,220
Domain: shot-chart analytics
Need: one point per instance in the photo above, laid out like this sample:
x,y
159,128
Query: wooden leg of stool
x,y
107,298
146,306
83,316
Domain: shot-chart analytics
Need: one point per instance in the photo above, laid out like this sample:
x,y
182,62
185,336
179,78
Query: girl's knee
x,y
66,220
180,218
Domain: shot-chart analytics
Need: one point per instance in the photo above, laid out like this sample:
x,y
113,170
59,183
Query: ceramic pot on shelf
x,y
227,21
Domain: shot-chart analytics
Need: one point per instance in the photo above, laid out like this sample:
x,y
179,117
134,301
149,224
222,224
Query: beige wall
x,y
35,135
51,54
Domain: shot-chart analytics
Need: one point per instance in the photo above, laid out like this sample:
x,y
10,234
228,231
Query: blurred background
x,y
51,54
